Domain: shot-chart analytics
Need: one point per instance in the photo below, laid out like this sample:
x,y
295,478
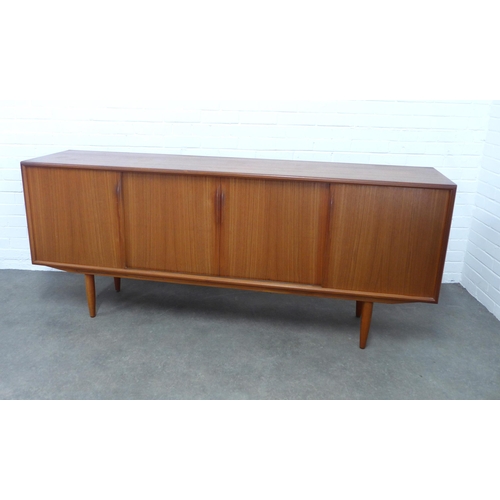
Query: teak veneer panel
x,y
74,216
392,243
273,230
247,167
182,235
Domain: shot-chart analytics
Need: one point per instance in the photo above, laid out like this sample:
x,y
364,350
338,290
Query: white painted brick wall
x,y
447,135
481,275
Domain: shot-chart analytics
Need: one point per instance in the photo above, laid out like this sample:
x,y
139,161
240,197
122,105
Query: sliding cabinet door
x,y
171,222
273,230
73,216
387,240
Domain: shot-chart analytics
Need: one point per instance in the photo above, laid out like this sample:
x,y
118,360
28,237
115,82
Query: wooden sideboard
x,y
361,232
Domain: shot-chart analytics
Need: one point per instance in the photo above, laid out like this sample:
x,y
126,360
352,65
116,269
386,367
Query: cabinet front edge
x,y
238,283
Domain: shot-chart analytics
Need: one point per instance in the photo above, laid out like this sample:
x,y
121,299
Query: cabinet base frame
x,y
364,308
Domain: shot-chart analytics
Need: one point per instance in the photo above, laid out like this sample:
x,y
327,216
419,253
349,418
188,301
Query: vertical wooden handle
x,y
118,189
217,205
222,197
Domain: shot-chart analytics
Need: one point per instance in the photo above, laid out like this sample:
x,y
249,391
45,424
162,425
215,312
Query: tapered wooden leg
x,y
366,318
118,282
90,289
359,308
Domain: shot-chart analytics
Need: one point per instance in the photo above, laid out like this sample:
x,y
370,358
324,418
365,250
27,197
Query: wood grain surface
x,y
386,239
273,230
248,167
170,223
74,216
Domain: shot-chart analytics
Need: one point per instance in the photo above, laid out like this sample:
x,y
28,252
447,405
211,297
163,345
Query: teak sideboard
x,y
361,232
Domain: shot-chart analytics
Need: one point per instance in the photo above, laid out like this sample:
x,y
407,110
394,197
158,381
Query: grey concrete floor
x,y
165,341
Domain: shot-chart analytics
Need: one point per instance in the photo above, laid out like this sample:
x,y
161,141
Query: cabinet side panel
x,y
444,241
27,204
74,216
274,230
386,239
170,223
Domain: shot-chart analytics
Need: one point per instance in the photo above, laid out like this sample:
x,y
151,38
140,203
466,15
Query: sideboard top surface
x,y
247,167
